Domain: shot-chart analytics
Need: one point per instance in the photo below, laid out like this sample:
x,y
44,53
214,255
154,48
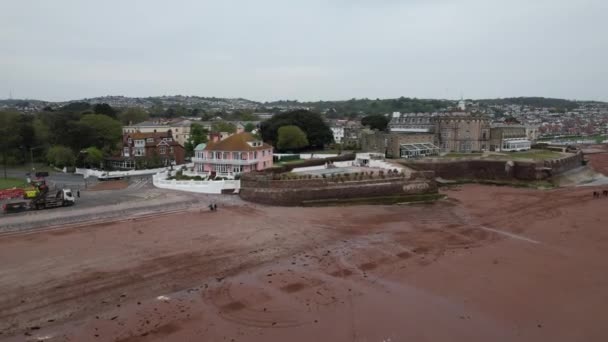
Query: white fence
x,y
306,155
375,163
322,167
114,174
203,187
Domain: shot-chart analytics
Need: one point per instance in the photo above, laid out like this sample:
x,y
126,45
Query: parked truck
x,y
36,198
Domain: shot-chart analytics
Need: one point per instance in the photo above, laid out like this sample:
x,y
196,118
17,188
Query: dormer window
x,y
150,140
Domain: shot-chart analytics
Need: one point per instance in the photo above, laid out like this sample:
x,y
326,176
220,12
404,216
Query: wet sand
x,y
487,264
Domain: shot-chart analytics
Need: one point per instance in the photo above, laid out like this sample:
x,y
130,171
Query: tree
x,y
133,115
105,109
41,131
249,127
157,110
223,126
76,107
10,138
317,131
94,157
291,138
198,135
103,132
379,122
60,156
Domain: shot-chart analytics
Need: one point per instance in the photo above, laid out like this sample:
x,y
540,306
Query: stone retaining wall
x,y
264,189
499,169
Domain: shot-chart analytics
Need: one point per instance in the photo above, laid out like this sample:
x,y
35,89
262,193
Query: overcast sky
x,y
304,49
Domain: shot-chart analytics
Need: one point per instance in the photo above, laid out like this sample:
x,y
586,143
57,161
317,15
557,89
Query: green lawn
x,y
531,154
462,155
328,152
10,183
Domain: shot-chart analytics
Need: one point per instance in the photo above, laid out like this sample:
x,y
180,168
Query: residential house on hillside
x,y
180,129
346,132
234,155
148,149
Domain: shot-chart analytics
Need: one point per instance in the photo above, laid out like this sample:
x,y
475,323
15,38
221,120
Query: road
x,y
140,197
60,178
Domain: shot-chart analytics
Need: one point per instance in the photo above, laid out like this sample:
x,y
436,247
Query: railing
x,y
226,161
208,187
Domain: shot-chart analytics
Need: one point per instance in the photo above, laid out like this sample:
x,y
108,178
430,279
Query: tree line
x,y
58,136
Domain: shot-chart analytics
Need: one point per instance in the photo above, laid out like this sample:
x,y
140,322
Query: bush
x,y
60,156
289,158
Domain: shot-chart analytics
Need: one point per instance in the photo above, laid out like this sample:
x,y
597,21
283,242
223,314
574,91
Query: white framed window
x,y
150,140
140,143
171,149
125,151
162,150
130,141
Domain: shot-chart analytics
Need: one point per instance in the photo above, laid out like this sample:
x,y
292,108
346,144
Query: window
x,y
218,155
235,155
126,151
243,156
264,154
255,155
171,149
226,155
140,143
150,140
162,150
140,152
130,141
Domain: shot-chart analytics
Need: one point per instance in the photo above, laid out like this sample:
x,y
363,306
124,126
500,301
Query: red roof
x,y
238,142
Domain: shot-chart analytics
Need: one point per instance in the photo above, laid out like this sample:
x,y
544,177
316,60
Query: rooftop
x,y
238,142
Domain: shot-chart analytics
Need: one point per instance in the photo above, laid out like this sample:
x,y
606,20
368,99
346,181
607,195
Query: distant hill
x,y
539,102
369,106
352,107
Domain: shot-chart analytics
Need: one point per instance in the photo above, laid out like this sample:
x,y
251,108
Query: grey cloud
x,y
310,50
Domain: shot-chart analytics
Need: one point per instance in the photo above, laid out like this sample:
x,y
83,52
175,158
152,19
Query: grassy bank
x,y
531,154
542,184
10,183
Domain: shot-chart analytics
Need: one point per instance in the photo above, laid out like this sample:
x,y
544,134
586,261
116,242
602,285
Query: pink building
x,y
239,153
